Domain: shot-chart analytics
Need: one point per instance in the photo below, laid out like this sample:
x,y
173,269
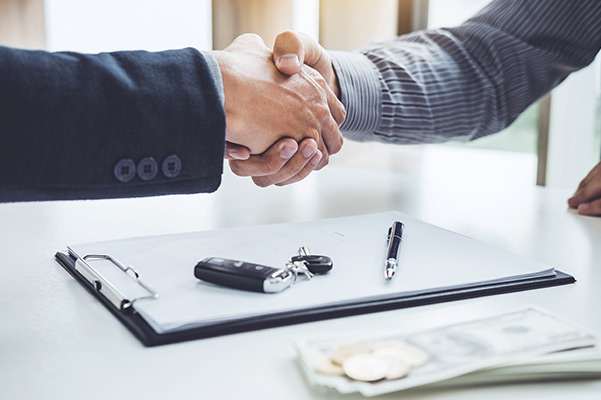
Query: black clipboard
x,y
146,334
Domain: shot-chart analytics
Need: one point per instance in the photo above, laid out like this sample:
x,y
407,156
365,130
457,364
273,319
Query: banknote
x,y
521,337
581,363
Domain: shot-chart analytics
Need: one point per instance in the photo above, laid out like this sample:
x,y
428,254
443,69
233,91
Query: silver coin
x,y
404,350
325,366
397,368
396,353
346,350
366,367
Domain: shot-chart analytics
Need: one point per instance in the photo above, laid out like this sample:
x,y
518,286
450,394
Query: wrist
x,y
334,84
224,62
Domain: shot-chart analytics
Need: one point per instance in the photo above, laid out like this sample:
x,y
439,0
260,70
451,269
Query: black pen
x,y
395,235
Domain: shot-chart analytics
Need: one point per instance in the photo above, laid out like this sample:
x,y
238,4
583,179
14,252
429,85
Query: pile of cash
x,y
528,344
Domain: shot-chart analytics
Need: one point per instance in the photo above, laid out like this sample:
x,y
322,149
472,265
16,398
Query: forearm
x,y
67,119
469,81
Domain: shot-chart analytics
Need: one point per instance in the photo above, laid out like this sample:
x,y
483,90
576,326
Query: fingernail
x,y
582,208
287,151
571,202
236,156
289,60
316,158
309,149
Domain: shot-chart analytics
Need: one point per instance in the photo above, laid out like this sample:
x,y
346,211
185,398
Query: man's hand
x,y
587,199
263,105
291,52
283,163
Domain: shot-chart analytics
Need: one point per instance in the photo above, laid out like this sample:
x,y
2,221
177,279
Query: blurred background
x,y
554,143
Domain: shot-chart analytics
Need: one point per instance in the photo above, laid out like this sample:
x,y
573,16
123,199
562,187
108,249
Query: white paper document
x,y
430,258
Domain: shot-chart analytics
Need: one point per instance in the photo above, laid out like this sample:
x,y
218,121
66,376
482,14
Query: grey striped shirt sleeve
x,y
470,81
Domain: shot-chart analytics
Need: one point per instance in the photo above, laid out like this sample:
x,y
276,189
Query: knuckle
x,y
336,146
312,133
323,112
319,79
342,112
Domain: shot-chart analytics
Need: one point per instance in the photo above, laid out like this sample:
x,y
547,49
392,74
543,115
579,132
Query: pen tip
x,y
389,273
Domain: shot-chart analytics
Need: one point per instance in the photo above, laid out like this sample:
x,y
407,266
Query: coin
x,y
397,368
403,350
325,366
394,352
346,350
366,367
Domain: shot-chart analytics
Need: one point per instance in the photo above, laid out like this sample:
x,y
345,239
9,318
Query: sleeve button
x,y
172,166
147,168
125,170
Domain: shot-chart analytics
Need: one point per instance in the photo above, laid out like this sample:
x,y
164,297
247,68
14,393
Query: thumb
x,y
288,53
291,50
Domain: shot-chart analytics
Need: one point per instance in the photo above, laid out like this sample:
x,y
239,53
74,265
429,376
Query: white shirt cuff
x,y
216,72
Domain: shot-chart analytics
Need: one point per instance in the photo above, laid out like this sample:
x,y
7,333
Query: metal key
x,y
299,267
316,264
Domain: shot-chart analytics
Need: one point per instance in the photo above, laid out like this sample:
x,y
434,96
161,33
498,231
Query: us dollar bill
x,y
520,337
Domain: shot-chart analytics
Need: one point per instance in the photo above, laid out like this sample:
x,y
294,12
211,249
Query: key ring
x,y
296,267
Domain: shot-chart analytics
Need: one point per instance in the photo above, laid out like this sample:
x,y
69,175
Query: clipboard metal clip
x,y
104,286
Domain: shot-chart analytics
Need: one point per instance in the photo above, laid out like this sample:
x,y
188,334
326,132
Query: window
x,y
521,136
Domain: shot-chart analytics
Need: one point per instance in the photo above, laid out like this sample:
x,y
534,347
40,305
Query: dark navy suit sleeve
x,y
123,124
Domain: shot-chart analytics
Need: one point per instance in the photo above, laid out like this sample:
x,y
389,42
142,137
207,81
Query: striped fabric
x,y
466,82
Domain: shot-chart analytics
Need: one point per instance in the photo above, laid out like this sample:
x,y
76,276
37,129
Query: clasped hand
x,y
270,116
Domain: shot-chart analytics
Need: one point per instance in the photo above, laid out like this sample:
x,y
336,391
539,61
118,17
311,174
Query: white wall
x,y
107,25
573,150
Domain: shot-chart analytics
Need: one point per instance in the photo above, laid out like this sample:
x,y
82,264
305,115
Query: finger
x,y
268,163
331,135
591,208
321,146
336,107
309,167
324,160
288,53
590,191
236,152
289,45
303,162
329,139
596,171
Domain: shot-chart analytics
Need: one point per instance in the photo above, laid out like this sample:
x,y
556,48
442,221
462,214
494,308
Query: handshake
x,y
282,110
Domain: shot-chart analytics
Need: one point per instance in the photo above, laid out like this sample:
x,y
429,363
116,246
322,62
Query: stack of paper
x,y
529,344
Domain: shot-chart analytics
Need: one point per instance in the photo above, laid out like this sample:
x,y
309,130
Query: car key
x,y
316,264
244,275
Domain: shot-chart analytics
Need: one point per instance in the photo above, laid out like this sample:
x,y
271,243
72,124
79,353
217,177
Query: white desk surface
x,y
57,341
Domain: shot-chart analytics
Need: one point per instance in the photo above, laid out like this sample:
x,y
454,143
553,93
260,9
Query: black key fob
x,y
243,275
315,264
